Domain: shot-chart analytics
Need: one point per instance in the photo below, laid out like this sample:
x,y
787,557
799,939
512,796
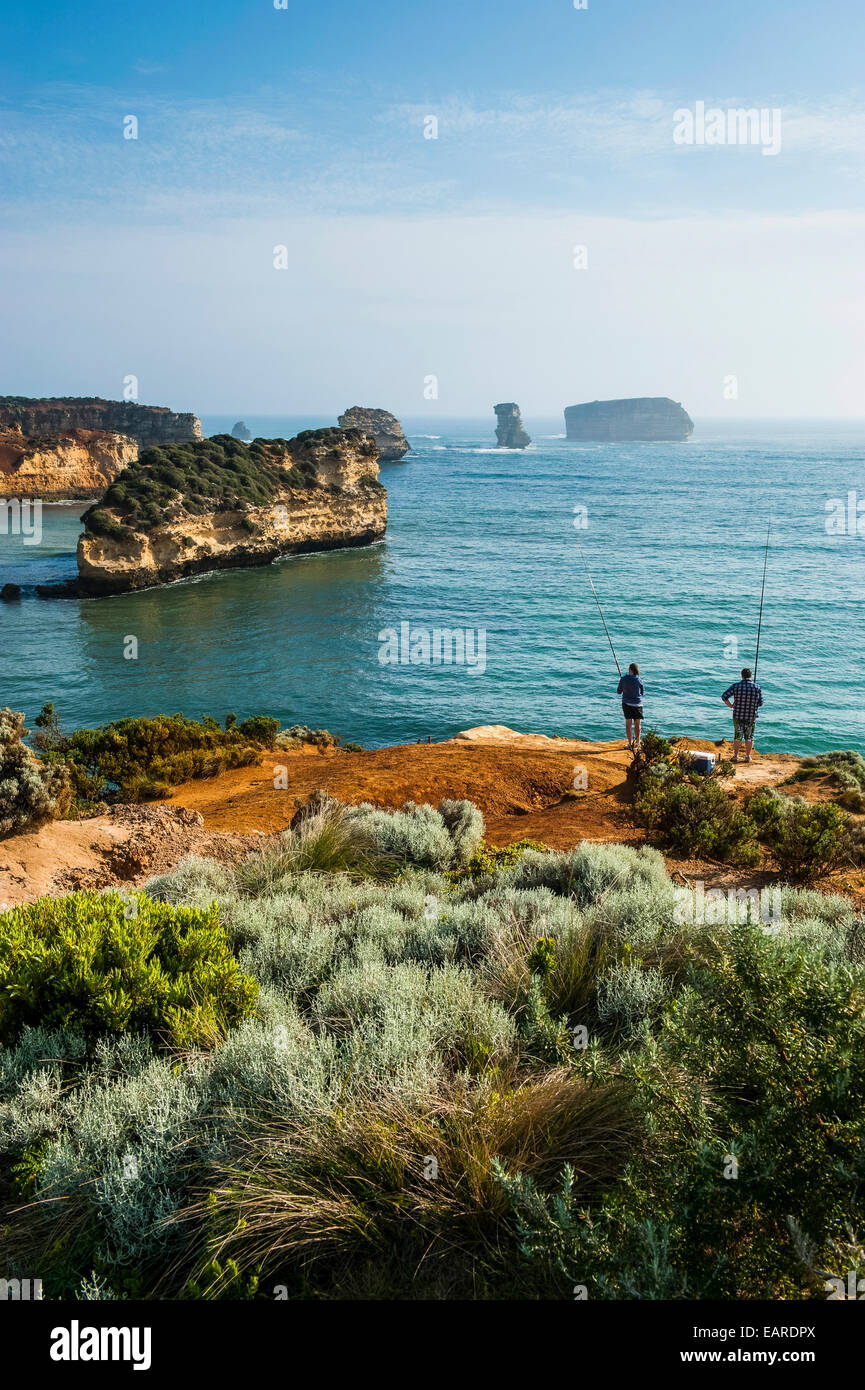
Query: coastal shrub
x,y
805,839
135,760
261,730
695,817
407,1108
420,835
198,476
628,996
847,769
107,963
31,793
758,1064
328,840
486,859
590,872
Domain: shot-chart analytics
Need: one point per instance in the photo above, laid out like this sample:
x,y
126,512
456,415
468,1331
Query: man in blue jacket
x,y
744,698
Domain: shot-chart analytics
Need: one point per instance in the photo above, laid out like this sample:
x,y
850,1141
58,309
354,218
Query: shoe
x,y
735,760
749,760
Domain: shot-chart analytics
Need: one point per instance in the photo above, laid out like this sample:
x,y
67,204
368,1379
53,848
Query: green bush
x,y
199,476
694,816
31,793
805,839
261,730
754,1091
142,759
100,964
486,859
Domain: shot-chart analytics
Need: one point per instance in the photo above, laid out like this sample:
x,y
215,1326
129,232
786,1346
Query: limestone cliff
x,y
509,427
146,424
72,463
385,429
641,418
319,491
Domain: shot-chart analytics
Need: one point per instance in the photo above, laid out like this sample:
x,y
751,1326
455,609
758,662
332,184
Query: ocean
x,y
484,541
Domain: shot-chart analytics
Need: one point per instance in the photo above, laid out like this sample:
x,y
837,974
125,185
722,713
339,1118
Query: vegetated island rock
x,y
509,427
240,431
148,425
217,503
640,418
385,429
68,464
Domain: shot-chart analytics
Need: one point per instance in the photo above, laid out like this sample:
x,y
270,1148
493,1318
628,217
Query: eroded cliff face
x,y
385,429
640,418
70,464
146,424
343,504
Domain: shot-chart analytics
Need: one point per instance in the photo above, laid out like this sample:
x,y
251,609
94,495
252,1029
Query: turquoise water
x,y
480,538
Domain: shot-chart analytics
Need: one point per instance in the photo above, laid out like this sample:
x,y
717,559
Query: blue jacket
x,y
631,690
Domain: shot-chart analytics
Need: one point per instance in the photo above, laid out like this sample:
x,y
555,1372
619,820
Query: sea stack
x,y
640,418
240,431
509,427
385,429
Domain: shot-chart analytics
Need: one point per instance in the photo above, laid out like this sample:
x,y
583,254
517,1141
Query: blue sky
x,y
407,257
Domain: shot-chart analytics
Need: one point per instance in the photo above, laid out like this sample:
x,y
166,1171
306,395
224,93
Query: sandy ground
x,y
528,786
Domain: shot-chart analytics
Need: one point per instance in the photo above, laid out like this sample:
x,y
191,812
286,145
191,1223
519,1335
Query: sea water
x,y
483,542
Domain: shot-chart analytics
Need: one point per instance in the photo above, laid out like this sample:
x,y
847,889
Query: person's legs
x,y
637,724
735,740
628,731
749,742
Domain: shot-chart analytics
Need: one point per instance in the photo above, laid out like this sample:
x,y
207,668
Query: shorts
x,y
632,711
744,732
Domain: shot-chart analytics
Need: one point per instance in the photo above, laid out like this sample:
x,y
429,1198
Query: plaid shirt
x,y
747,699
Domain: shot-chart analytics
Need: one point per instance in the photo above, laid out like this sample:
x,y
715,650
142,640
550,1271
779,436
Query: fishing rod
x,y
762,596
600,609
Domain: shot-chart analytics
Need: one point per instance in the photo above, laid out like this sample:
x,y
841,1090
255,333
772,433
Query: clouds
x,y
318,151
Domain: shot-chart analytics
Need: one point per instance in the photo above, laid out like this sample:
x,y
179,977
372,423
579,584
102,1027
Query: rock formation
x,y
319,491
146,424
385,429
509,427
240,431
642,418
71,463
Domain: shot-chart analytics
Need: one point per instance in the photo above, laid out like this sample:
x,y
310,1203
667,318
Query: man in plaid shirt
x,y
747,697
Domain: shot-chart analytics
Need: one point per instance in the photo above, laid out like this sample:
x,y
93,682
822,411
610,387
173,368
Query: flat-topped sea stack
x,y
217,503
146,424
642,418
70,464
509,427
385,429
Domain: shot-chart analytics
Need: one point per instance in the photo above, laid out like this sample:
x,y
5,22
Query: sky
x,y
283,236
